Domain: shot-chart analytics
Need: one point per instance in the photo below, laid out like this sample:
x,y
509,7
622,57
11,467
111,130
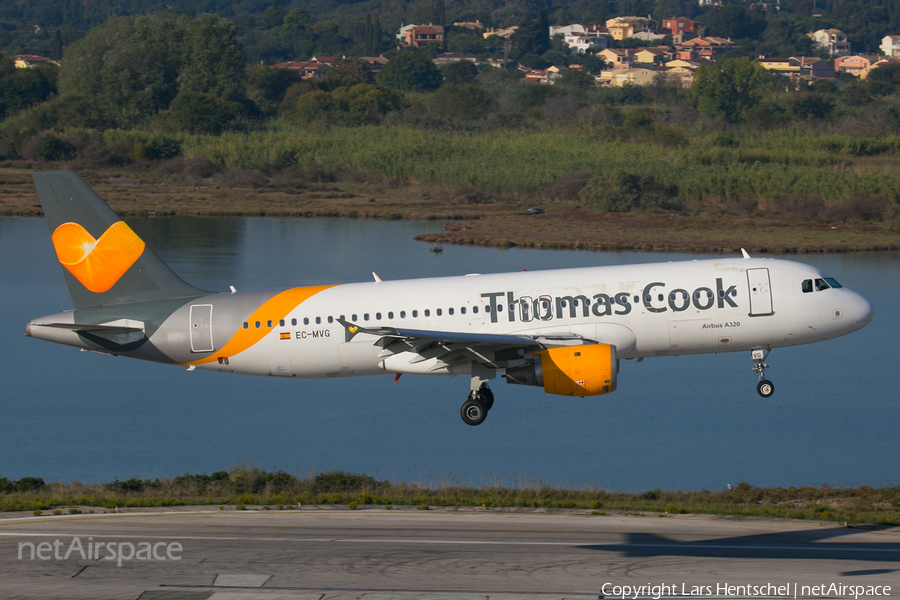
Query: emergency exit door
x,y
760,293
201,328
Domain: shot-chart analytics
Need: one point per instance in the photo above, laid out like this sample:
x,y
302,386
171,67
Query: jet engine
x,y
588,370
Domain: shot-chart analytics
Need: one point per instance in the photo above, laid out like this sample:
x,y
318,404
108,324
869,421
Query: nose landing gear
x,y
764,388
475,409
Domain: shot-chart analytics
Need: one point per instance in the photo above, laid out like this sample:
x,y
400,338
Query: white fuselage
x,y
645,310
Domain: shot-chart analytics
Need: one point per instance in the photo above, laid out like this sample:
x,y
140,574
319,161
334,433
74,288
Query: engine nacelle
x,y
588,370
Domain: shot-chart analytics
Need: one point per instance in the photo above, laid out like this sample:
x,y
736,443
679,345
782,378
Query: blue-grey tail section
x,y
66,198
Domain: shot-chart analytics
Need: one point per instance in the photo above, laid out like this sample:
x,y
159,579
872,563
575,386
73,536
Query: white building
x,y
832,41
890,46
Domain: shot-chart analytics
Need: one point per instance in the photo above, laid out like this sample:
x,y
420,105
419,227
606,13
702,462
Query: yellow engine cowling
x,y
588,370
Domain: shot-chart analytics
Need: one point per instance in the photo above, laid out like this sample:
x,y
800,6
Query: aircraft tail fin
x,y
104,262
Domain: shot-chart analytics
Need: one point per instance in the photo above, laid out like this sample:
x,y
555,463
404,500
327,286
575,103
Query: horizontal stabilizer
x,y
96,329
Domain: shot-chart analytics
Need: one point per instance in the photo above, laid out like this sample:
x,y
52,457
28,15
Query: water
x,y
674,423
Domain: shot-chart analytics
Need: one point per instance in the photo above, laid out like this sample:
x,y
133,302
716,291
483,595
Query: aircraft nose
x,y
865,312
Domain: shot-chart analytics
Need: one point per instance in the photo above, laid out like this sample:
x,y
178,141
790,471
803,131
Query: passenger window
x,y
257,324
415,314
390,314
831,281
648,297
733,293
343,318
293,321
487,309
499,308
427,313
402,314
355,318
474,309
318,320
708,294
281,323
562,303
331,319
637,299
306,320
366,317
721,293
439,312
246,325
660,297
377,316
450,311
269,324
806,286
462,310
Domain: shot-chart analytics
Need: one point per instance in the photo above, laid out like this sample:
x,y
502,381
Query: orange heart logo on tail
x,y
97,264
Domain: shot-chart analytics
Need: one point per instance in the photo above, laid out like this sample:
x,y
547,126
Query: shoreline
x,y
504,222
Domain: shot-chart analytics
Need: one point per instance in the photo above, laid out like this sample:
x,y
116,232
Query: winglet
x,y
744,252
377,278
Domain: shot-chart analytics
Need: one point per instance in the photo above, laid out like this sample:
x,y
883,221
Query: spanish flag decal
x,y
286,336
97,264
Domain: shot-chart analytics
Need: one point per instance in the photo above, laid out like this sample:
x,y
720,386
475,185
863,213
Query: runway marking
x,y
682,545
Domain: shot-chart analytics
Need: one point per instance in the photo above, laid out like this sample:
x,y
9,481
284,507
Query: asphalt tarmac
x,y
403,554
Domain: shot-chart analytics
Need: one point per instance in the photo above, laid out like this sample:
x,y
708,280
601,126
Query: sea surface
x,y
687,423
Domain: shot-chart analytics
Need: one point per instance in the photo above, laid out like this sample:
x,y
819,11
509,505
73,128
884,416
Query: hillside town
x,y
682,49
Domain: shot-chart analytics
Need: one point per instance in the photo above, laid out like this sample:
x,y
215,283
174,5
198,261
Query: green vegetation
x,y
171,94
247,487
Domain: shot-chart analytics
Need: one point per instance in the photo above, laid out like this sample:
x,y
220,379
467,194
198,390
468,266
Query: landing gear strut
x,y
475,409
764,388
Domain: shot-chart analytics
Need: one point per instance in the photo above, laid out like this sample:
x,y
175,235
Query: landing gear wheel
x,y
765,388
486,396
473,412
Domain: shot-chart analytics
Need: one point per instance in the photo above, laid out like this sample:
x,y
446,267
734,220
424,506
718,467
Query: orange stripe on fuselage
x,y
275,309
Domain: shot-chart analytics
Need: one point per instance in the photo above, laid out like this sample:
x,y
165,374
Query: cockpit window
x,y
821,285
831,281
807,286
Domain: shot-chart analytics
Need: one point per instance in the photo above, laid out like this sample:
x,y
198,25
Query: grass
x,y
244,487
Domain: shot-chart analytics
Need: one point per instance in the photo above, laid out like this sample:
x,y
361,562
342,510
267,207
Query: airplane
x,y
565,330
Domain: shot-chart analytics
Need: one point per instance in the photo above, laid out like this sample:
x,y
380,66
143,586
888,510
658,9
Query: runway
x,y
405,554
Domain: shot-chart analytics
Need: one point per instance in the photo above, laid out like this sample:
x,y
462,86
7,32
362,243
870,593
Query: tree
x,y
439,16
274,16
734,21
460,101
532,37
212,62
729,88
347,72
576,79
410,71
463,71
57,52
369,37
135,66
200,113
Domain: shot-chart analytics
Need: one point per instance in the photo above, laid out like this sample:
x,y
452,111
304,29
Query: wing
x,y
449,347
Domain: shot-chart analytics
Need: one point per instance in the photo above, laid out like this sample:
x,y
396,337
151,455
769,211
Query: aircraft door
x,y
760,293
201,328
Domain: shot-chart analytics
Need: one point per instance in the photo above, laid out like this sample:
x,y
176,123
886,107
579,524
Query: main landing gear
x,y
764,388
475,409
